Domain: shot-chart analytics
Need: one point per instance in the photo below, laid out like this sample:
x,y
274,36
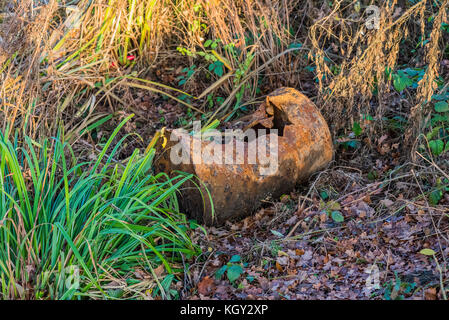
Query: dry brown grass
x,y
63,55
363,56
428,86
59,63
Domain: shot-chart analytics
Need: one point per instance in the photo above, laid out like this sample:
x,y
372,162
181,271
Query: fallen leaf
x,y
159,270
431,294
427,252
205,286
282,260
279,267
387,202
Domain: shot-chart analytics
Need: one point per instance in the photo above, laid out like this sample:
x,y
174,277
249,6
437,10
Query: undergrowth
x,y
70,69
69,229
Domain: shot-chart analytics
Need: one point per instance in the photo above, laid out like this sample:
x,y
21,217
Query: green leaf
x,y
446,148
235,258
441,106
440,97
324,195
337,216
190,73
437,146
435,197
399,83
333,205
218,71
193,224
372,175
220,272
277,233
295,45
435,131
207,43
445,26
357,129
350,144
427,252
234,272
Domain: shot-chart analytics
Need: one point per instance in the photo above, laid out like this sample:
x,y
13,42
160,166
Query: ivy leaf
x,y
220,272
427,252
399,84
337,216
441,106
234,272
351,143
401,81
218,71
437,146
440,97
193,224
190,73
324,195
235,258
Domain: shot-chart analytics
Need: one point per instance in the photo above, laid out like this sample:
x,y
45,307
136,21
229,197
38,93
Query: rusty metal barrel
x,y
234,184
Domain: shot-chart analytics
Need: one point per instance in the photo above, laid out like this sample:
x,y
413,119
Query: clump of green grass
x,y
68,229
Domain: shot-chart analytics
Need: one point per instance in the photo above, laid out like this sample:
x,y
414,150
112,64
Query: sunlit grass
x,y
101,216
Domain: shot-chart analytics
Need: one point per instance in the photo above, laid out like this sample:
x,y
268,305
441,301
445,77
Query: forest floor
x,y
293,249
353,231
374,224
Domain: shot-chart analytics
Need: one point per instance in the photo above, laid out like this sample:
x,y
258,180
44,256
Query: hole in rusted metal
x,y
304,146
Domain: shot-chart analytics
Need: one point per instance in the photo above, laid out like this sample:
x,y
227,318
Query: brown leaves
x,y
159,270
327,262
279,267
206,286
431,294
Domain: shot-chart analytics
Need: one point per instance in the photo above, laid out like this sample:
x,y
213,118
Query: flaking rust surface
x,y
304,147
